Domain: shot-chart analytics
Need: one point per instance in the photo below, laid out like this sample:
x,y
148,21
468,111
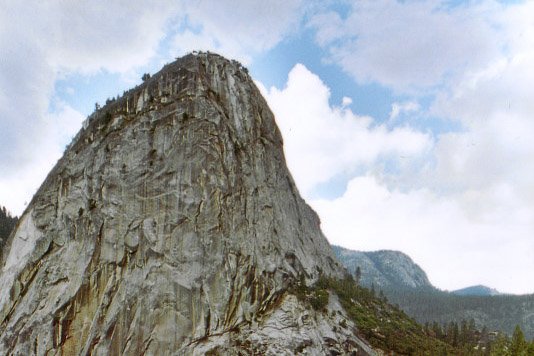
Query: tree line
x,y
470,340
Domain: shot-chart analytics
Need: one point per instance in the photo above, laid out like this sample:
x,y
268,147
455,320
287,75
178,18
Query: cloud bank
x,y
458,210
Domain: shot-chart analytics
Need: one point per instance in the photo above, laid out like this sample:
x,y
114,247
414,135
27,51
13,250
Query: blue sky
x,y
406,124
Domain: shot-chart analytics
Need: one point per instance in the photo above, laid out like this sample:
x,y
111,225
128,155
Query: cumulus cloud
x,y
239,29
461,203
494,107
87,36
409,45
346,101
455,248
57,129
404,107
473,196
321,141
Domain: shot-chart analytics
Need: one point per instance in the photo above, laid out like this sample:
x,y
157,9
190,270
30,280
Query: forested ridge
x,y
388,328
393,274
501,312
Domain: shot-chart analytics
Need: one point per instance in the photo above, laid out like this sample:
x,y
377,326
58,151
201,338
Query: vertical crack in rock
x,y
170,221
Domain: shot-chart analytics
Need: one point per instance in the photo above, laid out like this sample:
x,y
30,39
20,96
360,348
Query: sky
x,y
407,124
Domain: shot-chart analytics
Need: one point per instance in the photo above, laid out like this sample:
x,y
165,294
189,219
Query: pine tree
x,y
7,222
500,347
358,275
518,346
530,348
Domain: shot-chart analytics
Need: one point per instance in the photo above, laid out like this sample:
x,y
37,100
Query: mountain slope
x,y
477,290
405,283
501,312
384,269
171,225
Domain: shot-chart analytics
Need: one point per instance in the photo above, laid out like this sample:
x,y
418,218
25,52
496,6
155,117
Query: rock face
x,y
385,269
170,222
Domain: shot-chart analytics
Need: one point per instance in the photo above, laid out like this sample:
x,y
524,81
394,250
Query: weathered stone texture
x,y
171,220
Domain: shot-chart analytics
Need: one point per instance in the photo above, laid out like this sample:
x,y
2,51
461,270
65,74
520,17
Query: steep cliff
x,y
170,224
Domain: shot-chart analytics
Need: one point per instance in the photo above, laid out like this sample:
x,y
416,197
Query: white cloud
x,y
462,206
493,105
322,142
239,29
453,247
404,107
346,101
87,37
410,45
57,130
467,209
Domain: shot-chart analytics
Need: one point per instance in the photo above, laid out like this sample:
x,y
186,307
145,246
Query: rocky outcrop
x,y
385,269
170,222
290,329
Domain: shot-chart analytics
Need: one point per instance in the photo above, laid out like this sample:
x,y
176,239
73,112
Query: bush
x,y
319,299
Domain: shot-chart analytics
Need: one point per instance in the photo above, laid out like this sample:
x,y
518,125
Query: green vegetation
x,y
382,325
107,119
388,328
428,304
501,312
7,222
317,296
516,346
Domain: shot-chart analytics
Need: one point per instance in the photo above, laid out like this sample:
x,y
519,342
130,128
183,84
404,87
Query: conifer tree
x,y
518,345
500,347
358,275
530,348
7,222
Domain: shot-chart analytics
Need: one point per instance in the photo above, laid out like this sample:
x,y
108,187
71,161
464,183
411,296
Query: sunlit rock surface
x,y
171,226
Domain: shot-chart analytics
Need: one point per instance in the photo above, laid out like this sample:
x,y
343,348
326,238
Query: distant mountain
x,y
406,284
384,269
477,290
